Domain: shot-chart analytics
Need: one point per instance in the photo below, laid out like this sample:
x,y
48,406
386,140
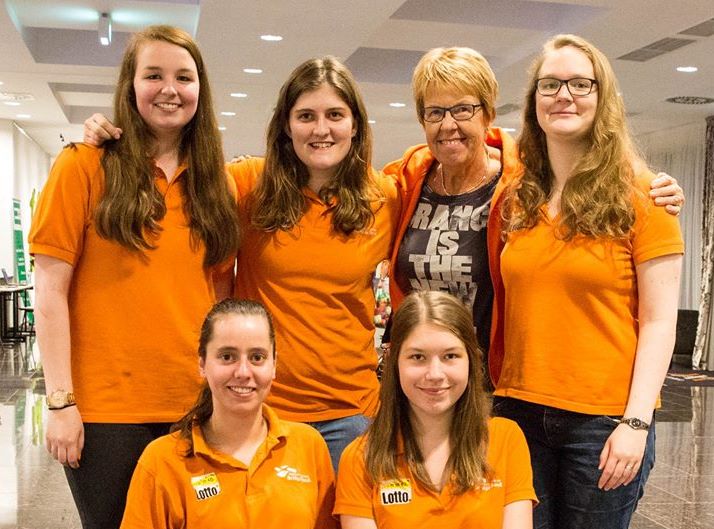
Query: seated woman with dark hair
x,y
230,461
433,457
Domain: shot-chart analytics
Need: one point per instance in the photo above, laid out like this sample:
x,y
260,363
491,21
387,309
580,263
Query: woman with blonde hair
x,y
433,457
591,274
117,319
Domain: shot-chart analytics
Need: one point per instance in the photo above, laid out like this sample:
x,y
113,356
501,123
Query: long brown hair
x,y
279,202
131,207
202,410
597,200
469,426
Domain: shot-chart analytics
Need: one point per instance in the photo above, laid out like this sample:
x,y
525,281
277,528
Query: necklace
x,y
479,182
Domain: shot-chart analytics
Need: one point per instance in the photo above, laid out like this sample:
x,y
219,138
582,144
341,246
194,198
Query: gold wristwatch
x,y
60,399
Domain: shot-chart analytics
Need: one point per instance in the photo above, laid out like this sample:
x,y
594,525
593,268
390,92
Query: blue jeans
x,y
338,433
565,450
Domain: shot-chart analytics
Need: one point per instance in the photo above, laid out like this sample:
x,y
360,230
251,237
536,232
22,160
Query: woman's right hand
x,y
98,129
65,435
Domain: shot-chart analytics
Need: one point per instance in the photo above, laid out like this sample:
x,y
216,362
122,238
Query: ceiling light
x,y
687,69
508,129
1,82
221,128
371,121
252,70
397,105
238,94
12,103
105,29
228,113
688,100
23,116
271,38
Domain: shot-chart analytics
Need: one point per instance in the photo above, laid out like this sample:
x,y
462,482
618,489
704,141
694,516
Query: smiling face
x,y
239,365
433,369
456,144
562,116
166,86
321,127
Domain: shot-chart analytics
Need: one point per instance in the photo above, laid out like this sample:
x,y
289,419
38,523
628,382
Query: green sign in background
x,y
20,265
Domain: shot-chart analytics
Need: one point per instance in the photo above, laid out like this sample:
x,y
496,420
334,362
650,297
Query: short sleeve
x,y
519,473
354,486
325,486
147,503
64,207
656,233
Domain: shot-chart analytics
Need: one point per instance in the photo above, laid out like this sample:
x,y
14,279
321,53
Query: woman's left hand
x,y
621,457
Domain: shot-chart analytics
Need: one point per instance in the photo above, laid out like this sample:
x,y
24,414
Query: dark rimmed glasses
x,y
460,112
577,86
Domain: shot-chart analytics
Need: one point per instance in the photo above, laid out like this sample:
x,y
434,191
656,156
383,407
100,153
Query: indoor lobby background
x,y
55,72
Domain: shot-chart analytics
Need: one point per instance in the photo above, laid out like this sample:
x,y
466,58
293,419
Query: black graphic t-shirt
x,y
444,248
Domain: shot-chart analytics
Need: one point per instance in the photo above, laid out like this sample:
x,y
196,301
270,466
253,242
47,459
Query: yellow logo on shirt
x,y
395,492
493,484
206,486
291,474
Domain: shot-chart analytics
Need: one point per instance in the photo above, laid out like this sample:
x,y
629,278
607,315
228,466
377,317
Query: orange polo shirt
x,y
288,484
317,284
571,310
134,316
405,502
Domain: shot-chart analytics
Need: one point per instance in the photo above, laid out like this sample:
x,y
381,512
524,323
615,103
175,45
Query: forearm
x,y
52,322
658,285
654,351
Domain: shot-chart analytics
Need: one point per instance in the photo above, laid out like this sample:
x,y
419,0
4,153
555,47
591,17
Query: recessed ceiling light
x,y
23,116
508,129
687,69
271,38
1,83
12,103
238,94
221,128
371,121
228,113
252,70
397,105
690,100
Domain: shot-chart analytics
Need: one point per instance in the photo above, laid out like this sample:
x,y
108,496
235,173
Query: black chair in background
x,y
686,334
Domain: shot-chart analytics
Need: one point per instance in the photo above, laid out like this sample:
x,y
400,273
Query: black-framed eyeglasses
x,y
577,86
460,112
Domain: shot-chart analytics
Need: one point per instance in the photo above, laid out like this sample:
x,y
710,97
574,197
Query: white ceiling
x,y
50,51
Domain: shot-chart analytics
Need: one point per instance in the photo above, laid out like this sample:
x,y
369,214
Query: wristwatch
x,y
60,399
635,423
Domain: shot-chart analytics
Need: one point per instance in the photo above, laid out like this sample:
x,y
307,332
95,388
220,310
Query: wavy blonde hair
x,y
469,425
279,203
597,200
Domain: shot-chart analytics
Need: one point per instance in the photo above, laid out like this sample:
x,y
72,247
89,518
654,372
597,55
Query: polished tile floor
x,y
34,494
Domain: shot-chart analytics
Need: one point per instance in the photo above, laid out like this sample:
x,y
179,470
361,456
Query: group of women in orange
x,y
134,244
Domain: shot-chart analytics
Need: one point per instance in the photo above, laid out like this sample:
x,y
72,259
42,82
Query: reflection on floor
x,y
34,493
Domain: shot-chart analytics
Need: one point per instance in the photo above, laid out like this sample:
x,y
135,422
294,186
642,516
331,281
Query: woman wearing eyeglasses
x,y
591,274
449,235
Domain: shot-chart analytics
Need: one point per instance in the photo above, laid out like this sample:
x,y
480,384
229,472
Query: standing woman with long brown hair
x,y
316,220
591,274
131,250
